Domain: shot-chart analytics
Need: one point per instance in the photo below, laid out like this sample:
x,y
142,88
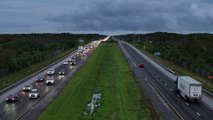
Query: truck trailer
x,y
189,88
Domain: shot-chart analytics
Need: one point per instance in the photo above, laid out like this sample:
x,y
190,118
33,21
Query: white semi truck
x,y
189,88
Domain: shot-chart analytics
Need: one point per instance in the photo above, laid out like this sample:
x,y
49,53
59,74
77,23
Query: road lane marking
x,y
163,96
171,89
198,113
187,103
178,95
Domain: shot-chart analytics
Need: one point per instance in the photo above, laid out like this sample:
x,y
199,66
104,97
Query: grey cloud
x,y
110,15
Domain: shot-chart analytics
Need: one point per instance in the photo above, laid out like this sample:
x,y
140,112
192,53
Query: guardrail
x,y
39,71
173,72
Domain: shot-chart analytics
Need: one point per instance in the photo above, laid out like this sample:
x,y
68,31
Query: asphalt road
x,y
158,83
29,109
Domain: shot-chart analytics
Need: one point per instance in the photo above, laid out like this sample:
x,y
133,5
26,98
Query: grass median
x,y
106,72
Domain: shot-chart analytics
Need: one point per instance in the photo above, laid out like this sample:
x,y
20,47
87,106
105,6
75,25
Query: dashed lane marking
x,y
187,103
198,113
178,95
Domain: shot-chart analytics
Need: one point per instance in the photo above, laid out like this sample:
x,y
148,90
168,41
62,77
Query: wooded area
x,y
21,50
191,51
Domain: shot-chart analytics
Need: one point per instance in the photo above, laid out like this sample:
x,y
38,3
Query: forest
x,y
191,51
19,51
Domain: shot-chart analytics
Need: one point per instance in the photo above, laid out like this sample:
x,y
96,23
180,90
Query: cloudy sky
x,y
106,16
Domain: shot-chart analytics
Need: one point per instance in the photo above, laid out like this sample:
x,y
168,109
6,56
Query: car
x,y
62,72
69,60
11,98
34,94
73,57
51,72
141,65
65,62
27,87
40,79
73,63
50,81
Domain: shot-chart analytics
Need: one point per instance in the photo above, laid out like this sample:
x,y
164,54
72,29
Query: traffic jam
x,y
32,91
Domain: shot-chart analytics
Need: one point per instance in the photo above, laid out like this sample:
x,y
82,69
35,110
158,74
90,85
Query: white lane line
x,y
171,89
165,84
198,113
134,64
178,95
187,103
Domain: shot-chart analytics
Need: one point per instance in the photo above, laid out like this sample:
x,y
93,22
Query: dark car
x,y
27,87
40,79
62,72
73,63
141,65
12,98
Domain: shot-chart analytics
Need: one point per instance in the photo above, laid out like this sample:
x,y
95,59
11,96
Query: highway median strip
x,y
107,74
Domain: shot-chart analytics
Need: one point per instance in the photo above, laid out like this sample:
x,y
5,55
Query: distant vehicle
x,y
27,88
65,62
69,60
62,72
73,57
189,88
73,63
34,93
51,72
50,81
40,79
141,65
11,98
80,47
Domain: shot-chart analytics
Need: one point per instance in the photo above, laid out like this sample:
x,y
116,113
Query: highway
x,y
159,85
30,109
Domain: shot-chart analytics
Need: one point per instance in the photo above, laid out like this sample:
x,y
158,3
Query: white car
x,y
34,93
50,81
65,62
27,88
51,72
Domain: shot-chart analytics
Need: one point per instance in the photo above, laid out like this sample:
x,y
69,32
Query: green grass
x,y
108,73
207,84
19,75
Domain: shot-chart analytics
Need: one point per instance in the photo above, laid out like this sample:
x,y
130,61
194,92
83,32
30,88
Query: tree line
x,y
192,51
22,50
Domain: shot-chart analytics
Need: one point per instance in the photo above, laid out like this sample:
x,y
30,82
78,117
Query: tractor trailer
x,y
189,88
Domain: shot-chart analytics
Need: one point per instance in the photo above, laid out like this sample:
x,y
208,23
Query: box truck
x,y
189,88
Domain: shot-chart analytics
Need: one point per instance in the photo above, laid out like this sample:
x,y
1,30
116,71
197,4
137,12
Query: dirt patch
x,y
113,116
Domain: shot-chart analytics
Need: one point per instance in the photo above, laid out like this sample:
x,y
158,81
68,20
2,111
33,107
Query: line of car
x,y
48,78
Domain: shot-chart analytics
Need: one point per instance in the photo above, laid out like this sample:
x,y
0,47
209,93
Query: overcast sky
x,y
106,16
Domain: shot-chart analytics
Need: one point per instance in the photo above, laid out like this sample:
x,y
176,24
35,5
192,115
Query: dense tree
x,y
189,50
21,50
